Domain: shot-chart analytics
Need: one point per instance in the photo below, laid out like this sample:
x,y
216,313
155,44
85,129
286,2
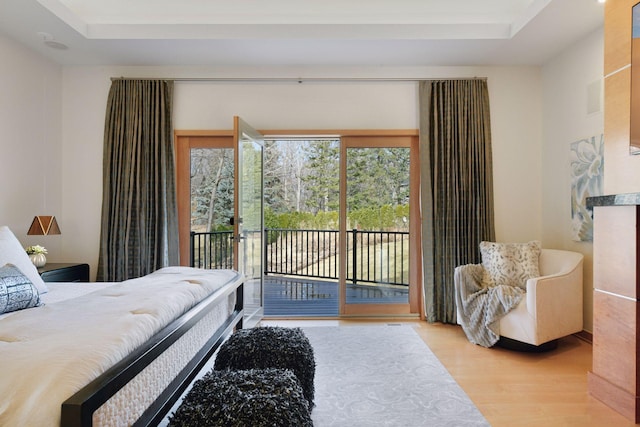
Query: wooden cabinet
x,y
615,375
64,272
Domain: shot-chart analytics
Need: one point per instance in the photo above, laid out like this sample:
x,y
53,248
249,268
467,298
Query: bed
x,y
109,354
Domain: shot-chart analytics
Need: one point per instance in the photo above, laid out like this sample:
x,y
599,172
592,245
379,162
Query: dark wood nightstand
x,y
64,272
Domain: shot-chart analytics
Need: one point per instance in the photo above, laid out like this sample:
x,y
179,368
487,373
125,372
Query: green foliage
x,y
293,220
377,177
270,218
222,227
385,217
325,221
301,186
271,221
323,177
273,178
301,220
211,188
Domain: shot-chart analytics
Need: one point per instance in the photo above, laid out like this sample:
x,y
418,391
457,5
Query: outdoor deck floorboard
x,y
306,297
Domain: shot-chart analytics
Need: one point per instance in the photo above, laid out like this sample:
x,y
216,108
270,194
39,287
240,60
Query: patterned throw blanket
x,y
480,306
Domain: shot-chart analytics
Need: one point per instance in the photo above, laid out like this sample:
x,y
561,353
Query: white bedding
x,y
48,353
60,291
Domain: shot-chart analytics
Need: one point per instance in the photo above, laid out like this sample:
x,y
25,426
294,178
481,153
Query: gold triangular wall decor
x,y
43,225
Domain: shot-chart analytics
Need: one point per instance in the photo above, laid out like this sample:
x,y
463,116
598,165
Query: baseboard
x,y
585,336
615,397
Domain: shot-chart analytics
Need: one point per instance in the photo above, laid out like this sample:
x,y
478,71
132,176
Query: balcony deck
x,y
308,297
301,270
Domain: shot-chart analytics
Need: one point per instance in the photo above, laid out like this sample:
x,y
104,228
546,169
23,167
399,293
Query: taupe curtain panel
x,y
456,185
139,229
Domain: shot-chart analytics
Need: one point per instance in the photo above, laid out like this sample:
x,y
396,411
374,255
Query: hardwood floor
x,y
511,388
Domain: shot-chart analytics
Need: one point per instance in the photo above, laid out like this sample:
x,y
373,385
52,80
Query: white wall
x,y
296,106
566,119
30,143
516,124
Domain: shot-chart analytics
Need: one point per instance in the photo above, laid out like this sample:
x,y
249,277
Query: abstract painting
x,y
587,163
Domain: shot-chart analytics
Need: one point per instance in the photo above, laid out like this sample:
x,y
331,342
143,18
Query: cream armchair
x,y
551,307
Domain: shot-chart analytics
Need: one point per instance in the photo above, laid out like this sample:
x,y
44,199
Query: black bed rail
x,y
77,411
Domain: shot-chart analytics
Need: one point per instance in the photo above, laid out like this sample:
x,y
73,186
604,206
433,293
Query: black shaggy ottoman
x,y
271,347
251,398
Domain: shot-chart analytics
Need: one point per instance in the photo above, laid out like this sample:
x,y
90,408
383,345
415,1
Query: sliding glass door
x,y
377,217
220,212
341,234
249,217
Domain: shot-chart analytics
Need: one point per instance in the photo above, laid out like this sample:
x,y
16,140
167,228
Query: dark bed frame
x,y
77,411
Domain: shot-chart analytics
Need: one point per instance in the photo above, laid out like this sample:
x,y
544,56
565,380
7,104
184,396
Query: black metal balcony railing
x,y
309,253
212,250
373,256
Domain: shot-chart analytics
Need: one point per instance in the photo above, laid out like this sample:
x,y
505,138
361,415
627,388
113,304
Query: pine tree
x,y
211,187
322,178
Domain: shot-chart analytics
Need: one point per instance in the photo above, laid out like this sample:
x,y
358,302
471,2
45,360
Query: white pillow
x,y
510,263
12,252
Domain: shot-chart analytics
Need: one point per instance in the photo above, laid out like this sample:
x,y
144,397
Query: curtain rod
x,y
296,79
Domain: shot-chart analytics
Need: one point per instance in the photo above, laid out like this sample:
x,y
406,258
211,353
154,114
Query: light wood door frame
x,y
184,141
414,305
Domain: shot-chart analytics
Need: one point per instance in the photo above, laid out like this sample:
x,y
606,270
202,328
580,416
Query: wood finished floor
x,y
511,388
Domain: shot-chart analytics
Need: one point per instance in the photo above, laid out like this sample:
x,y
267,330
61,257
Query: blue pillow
x,y
16,290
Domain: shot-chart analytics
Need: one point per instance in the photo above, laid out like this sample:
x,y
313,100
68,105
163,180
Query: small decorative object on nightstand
x,y
37,255
64,272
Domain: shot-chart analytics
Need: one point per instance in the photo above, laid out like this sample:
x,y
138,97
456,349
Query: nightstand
x,y
64,272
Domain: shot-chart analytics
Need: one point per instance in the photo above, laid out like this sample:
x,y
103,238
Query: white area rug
x,y
370,376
